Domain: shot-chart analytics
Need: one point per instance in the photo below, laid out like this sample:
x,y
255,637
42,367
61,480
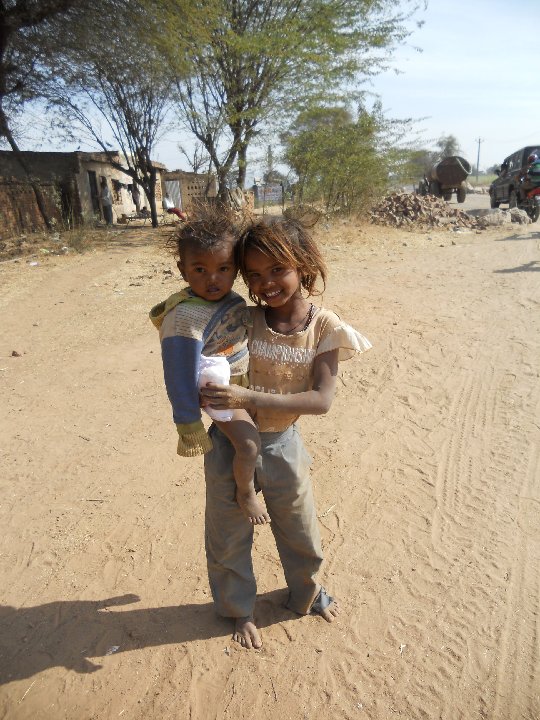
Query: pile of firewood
x,y
405,209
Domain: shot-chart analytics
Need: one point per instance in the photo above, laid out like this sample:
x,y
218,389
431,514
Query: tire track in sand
x,y
487,465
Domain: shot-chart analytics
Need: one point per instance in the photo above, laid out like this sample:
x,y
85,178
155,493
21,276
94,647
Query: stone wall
x,y
192,187
19,212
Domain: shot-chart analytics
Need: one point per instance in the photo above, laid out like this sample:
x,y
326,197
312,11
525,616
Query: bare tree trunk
x,y
242,166
6,132
149,184
222,185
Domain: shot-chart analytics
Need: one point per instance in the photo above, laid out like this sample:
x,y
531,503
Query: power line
x,y
479,141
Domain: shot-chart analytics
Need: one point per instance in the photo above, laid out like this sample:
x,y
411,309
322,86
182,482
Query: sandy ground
x,y
426,474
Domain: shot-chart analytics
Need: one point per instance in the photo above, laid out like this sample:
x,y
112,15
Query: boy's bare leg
x,y
244,437
246,633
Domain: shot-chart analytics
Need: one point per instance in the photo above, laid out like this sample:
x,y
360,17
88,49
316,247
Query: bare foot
x,y
326,606
251,507
246,633
331,612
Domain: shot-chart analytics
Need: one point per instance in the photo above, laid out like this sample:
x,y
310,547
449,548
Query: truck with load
x,y
446,177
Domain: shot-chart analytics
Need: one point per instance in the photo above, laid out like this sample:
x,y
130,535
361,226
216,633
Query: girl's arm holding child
x,y
316,401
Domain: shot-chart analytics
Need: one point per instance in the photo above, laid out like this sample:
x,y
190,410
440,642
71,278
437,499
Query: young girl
x,y
198,324
294,352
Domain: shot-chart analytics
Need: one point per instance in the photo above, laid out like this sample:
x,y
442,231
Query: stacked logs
x,y
405,209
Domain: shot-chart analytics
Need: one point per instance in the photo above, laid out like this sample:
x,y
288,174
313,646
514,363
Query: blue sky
x,y
476,77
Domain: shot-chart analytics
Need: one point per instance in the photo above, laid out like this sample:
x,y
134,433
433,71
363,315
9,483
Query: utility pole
x,y
479,141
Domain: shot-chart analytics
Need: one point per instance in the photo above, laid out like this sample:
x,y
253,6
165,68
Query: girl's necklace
x,y
305,321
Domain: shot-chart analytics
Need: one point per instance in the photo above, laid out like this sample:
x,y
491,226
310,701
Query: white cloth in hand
x,y
215,370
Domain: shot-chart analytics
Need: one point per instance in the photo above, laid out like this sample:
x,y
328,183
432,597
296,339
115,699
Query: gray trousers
x,y
282,475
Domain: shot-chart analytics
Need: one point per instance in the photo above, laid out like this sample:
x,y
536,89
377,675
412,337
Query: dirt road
x,y
426,473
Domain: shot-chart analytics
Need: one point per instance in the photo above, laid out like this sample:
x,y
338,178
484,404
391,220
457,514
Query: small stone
x,y
15,354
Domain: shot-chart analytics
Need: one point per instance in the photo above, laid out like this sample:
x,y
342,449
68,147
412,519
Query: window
x,y
117,190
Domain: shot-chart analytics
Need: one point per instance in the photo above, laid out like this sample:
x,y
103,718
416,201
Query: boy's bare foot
x,y
246,633
251,507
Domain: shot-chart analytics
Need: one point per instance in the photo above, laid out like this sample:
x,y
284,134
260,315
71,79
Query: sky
x,y
470,71
476,77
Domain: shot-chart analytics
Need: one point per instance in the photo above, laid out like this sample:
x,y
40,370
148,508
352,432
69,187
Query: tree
x,y
419,161
132,98
417,164
264,58
25,33
447,146
271,175
341,159
197,159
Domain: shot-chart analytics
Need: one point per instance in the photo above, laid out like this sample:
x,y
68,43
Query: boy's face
x,y
210,274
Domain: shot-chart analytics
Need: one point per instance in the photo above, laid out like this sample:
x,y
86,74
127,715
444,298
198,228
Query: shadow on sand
x,y
68,633
533,266
530,236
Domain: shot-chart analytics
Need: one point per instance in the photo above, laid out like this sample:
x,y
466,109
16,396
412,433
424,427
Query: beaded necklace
x,y
305,321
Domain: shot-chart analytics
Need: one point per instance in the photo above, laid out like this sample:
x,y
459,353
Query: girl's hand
x,y
225,397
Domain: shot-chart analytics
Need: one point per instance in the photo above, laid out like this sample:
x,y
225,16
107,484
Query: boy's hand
x,y
226,397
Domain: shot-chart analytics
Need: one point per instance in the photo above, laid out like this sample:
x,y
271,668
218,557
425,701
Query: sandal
x,y
321,602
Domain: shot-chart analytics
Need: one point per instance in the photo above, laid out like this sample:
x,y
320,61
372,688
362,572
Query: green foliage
x,y
417,164
234,68
343,161
262,61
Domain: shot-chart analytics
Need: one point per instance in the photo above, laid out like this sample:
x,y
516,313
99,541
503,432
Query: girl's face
x,y
270,280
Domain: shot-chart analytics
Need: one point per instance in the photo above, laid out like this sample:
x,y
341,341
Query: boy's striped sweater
x,y
188,327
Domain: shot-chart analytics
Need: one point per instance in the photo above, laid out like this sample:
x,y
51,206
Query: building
x,y
70,183
186,189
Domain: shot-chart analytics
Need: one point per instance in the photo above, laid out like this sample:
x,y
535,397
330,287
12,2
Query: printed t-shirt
x,y
284,363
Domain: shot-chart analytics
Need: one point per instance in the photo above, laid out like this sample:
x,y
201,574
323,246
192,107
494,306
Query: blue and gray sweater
x,y
188,328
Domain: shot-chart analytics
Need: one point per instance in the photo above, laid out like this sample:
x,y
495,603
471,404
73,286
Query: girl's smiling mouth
x,y
272,294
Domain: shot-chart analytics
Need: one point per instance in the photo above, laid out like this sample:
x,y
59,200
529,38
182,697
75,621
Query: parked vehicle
x,y
514,185
446,177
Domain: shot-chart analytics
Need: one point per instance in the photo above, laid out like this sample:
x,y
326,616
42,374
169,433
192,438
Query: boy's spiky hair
x,y
209,226
288,242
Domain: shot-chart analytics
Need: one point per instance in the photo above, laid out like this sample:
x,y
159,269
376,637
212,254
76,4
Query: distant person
x,y
169,207
530,175
136,195
423,187
106,202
